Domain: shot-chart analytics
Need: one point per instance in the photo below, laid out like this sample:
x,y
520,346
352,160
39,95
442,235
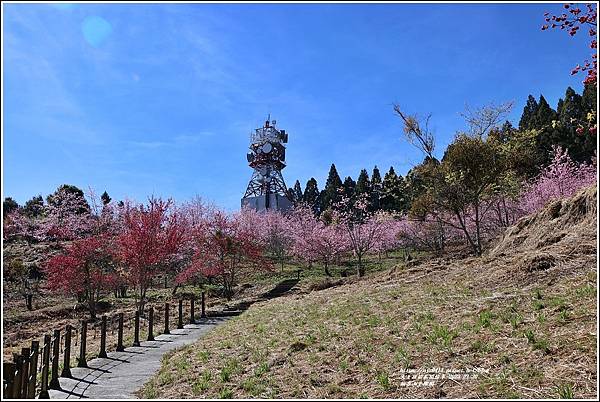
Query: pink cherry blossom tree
x,y
316,241
149,242
83,270
363,228
275,229
561,179
226,246
66,217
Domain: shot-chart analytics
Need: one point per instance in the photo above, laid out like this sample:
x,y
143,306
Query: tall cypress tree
x,y
559,106
590,102
349,188
572,107
393,192
544,115
105,198
529,112
376,189
571,112
363,184
311,195
363,188
331,193
297,192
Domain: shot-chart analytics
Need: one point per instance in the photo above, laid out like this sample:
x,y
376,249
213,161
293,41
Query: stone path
x,y
123,373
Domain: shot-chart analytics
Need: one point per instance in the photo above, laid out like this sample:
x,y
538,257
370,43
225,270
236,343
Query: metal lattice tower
x,y
267,189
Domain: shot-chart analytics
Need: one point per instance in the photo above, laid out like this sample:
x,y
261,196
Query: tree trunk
x,y
92,307
327,270
466,231
142,301
361,270
29,302
477,231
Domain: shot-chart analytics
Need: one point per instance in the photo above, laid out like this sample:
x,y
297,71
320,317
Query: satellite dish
x,y
266,148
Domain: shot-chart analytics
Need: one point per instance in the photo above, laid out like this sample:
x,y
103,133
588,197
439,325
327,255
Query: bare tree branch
x,y
417,131
482,120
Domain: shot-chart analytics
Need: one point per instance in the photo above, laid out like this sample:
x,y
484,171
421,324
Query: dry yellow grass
x,y
525,314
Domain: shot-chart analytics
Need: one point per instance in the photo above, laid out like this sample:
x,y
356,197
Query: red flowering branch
x,y
572,20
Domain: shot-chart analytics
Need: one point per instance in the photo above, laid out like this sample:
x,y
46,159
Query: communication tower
x,y
266,189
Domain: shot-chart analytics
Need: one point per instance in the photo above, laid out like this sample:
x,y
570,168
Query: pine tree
x,y
311,195
9,205
105,198
529,112
393,192
349,186
590,102
331,194
570,113
297,191
572,107
543,116
376,189
505,133
559,106
34,207
363,184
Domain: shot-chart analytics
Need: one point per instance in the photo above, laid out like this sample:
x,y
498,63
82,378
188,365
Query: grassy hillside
x,y
524,315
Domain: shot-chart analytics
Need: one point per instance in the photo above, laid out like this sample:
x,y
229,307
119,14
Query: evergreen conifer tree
x,y
297,192
529,112
544,115
331,193
393,192
105,198
363,184
376,189
311,195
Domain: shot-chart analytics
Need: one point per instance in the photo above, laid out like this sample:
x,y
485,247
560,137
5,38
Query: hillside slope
x,y
524,316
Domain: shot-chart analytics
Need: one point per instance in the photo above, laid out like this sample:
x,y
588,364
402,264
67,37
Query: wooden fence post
x,y
66,371
192,320
18,361
151,324
8,377
54,383
167,319
25,353
45,368
120,347
82,344
102,353
180,318
35,348
203,306
136,329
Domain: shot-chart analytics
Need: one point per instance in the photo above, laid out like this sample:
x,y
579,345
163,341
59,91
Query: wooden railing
x,y
20,377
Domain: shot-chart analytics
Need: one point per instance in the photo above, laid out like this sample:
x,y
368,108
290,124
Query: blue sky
x,y
160,98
